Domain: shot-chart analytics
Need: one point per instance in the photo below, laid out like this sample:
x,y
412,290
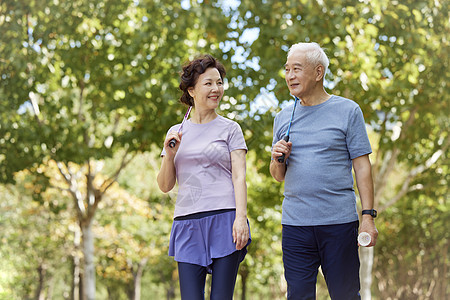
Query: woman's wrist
x,y
241,215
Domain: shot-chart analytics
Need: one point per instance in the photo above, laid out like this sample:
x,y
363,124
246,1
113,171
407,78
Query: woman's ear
x,y
191,91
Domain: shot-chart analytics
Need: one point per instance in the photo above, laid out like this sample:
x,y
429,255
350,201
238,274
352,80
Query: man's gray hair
x,y
314,53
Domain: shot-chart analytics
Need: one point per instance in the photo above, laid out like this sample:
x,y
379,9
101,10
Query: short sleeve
x,y
236,138
358,143
276,130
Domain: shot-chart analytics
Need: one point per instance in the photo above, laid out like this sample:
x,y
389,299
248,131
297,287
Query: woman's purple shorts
x,y
203,238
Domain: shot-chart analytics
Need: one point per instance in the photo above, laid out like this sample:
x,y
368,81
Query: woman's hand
x,y
173,135
240,232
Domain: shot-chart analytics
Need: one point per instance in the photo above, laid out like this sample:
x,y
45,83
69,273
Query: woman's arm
x,y
167,175
238,173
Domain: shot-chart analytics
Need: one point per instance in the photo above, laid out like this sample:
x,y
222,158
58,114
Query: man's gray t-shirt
x,y
319,183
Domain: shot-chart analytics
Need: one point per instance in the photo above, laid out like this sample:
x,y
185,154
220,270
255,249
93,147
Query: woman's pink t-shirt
x,y
203,165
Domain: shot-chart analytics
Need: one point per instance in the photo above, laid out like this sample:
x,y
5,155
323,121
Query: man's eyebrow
x,y
295,64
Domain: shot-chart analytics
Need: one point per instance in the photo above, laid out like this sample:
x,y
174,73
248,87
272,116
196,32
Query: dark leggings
x,y
224,271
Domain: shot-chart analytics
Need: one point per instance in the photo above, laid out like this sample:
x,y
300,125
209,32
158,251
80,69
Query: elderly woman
x,y
210,231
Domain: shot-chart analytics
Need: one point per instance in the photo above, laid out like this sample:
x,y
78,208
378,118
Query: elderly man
x,y
320,218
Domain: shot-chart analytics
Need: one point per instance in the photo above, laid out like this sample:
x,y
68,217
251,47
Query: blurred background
x,y
89,88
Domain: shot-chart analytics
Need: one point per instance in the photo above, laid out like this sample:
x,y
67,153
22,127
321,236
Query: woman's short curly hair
x,y
192,70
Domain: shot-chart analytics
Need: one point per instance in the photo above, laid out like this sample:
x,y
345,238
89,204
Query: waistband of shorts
x,y
203,214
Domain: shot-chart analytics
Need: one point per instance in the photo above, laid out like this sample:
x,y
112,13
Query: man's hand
x,y
368,225
281,147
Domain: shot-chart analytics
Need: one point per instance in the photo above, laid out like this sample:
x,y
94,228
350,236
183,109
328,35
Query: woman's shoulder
x,y
174,127
226,121
224,124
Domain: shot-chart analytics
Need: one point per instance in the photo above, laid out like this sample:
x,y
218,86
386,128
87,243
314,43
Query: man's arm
x,y
364,182
277,169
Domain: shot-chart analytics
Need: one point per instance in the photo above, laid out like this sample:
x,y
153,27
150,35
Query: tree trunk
x,y
138,278
366,258
442,284
50,289
244,286
41,273
171,291
89,267
130,291
243,271
76,267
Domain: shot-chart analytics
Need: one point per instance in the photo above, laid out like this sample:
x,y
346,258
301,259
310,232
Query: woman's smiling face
x,y
208,90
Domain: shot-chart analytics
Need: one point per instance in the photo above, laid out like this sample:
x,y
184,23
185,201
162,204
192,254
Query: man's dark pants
x,y
334,248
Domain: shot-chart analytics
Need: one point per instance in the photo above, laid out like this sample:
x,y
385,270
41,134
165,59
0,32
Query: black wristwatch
x,y
371,212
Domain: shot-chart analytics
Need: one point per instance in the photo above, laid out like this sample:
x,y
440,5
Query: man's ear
x,y
320,72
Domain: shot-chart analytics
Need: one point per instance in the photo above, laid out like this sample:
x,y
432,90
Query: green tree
x,y
132,240
82,80
390,57
36,238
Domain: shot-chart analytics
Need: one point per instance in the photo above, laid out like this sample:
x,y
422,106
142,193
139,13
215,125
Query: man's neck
x,y
315,99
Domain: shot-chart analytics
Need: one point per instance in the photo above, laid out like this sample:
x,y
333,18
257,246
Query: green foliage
x,y
90,78
412,254
35,243
89,81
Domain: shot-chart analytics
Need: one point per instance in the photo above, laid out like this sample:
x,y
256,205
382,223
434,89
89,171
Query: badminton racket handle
x,y
172,143
281,158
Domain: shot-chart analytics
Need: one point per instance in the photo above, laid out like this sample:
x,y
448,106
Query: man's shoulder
x,y
343,102
286,110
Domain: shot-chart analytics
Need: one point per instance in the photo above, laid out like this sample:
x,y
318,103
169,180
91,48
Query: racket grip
x,y
281,158
172,143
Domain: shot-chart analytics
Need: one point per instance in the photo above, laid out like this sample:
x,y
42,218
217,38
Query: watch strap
x,y
371,212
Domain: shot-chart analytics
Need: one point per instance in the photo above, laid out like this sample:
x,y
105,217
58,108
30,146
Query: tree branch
x,y
413,173
387,167
80,109
73,188
108,182
59,188
377,166
66,176
389,162
90,189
